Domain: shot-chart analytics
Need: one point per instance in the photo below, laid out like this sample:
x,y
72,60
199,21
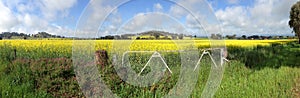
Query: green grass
x,y
240,81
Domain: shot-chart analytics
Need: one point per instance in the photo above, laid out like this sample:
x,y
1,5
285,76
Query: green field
x,y
268,71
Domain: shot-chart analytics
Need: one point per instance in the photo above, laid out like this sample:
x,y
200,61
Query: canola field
x,y
64,46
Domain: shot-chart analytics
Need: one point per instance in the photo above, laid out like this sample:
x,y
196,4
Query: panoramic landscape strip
x,y
150,48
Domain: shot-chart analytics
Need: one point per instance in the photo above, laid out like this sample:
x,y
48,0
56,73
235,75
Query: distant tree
x,y
9,37
0,38
244,36
294,22
227,36
180,36
289,37
156,36
53,36
138,38
195,36
234,36
254,37
264,37
231,36
269,37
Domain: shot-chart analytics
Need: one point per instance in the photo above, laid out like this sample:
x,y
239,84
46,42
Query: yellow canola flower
x,y
64,46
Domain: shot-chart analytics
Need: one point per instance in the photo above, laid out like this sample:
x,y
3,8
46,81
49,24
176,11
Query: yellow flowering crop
x,y
63,46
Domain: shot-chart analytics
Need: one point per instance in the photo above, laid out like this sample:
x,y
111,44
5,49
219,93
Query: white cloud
x,y
32,21
265,16
96,13
239,12
157,7
52,8
143,21
8,19
199,16
152,21
183,7
34,16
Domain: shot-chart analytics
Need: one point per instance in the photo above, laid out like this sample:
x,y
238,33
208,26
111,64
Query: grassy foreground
x,y
44,69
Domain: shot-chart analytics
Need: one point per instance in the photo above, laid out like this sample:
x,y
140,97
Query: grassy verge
x,y
240,81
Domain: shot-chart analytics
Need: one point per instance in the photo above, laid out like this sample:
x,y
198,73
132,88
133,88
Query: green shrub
x,y
255,59
273,56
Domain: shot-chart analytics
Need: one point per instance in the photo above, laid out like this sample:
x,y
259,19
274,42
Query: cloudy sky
x,y
64,17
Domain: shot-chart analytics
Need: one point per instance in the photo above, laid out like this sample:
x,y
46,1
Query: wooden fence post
x,y
15,54
101,58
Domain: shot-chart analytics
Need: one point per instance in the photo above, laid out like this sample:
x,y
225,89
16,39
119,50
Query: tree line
x,y
16,35
252,37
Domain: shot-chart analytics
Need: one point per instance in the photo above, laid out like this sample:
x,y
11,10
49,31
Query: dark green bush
x,y
254,59
272,56
237,53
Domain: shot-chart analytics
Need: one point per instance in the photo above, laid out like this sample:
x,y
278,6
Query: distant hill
x,y
16,35
150,35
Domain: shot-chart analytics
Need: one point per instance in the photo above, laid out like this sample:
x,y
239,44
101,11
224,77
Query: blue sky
x,y
222,4
234,16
